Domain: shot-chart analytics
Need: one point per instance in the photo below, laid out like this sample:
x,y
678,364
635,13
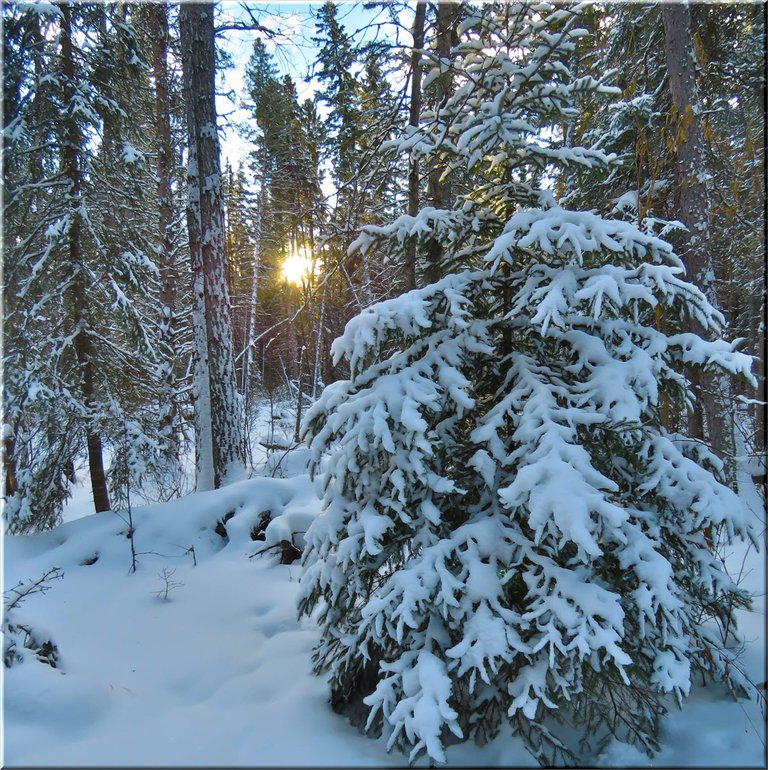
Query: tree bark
x,y
206,205
200,380
70,150
413,120
690,192
201,397
158,19
9,464
255,277
439,189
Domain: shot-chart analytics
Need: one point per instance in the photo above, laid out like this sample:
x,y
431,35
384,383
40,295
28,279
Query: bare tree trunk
x,y
82,341
250,341
316,374
248,370
413,120
158,18
440,190
200,388
690,192
9,463
299,391
367,284
206,205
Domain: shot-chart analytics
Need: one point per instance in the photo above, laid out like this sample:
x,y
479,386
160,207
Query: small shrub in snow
x,y
20,641
169,584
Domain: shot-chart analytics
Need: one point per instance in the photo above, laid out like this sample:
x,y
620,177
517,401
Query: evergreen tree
x,y
171,289
645,130
381,173
285,164
336,60
509,532
76,294
361,112
239,208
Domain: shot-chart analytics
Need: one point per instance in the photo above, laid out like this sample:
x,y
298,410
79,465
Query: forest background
x,y
100,313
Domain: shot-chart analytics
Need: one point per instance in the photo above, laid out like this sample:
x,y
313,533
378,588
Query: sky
x,y
292,48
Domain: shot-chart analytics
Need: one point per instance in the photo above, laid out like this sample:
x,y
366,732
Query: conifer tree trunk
x,y
82,340
158,17
9,464
440,190
200,378
204,476
251,338
690,191
206,207
413,120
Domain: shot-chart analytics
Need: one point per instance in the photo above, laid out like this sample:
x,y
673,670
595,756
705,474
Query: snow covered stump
x,y
509,532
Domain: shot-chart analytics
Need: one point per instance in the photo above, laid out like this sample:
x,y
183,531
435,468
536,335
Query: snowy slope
x,y
220,673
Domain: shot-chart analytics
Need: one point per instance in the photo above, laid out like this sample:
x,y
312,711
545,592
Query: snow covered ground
x,y
219,674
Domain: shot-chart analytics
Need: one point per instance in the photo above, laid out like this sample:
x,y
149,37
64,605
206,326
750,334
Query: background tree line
x,y
146,309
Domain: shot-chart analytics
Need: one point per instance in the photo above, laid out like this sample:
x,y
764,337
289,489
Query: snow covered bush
x,y
510,531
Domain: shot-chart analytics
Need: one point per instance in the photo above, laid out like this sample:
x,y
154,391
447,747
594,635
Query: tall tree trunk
x,y
251,338
316,374
206,204
70,151
201,397
158,18
413,120
690,191
439,189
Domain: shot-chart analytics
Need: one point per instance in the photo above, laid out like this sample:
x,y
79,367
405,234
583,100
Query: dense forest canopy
x,y
481,252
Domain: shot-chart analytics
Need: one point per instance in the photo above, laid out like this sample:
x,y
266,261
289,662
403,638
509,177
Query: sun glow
x,y
298,266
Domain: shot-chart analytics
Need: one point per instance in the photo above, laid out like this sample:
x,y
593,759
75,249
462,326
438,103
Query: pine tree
x,y
414,114
731,82
167,238
285,165
509,532
38,442
381,174
336,60
78,271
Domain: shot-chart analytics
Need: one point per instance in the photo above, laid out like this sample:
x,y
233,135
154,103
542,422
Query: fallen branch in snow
x,y
274,447
190,550
288,551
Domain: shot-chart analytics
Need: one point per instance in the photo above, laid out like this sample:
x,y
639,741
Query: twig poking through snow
x,y
166,575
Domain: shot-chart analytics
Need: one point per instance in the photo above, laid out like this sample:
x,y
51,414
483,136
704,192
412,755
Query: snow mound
x,y
220,673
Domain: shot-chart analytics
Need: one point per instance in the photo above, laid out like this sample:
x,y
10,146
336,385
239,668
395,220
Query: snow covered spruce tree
x,y
509,532
79,276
